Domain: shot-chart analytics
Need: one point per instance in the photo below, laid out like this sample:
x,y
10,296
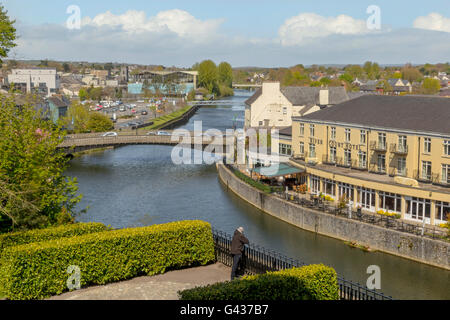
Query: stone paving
x,y
160,287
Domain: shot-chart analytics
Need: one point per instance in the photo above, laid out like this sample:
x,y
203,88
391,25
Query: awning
x,y
278,170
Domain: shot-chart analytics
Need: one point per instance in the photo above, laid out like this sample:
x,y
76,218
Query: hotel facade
x,y
380,152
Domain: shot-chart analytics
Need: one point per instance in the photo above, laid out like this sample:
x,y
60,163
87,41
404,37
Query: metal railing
x,y
259,260
377,146
398,149
375,219
393,171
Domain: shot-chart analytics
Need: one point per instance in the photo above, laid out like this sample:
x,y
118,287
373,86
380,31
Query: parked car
x,y
163,133
144,113
151,133
110,134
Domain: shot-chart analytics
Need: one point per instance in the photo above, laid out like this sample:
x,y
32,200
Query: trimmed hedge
x,y
314,282
38,270
256,184
38,235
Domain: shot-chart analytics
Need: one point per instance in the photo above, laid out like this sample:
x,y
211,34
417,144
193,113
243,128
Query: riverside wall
x,y
413,247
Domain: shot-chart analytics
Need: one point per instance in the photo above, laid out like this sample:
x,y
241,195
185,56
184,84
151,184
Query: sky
x,y
245,33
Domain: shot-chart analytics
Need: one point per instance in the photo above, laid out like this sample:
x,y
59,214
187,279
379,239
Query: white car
x,y
163,133
110,134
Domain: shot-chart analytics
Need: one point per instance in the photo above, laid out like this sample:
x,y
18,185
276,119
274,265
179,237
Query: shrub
x,y
256,184
38,235
314,282
39,270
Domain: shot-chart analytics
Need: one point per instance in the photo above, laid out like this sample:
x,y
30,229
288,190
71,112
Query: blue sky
x,y
237,27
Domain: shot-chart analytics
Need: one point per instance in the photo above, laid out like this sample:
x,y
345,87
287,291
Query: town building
x,y
166,82
58,107
43,81
273,106
384,153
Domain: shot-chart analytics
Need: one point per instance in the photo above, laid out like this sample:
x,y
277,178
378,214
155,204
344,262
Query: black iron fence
x,y
258,260
390,222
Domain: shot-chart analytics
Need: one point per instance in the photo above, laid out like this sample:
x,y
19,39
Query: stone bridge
x,y
83,142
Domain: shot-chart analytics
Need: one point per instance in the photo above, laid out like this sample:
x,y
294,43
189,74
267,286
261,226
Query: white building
x,y
273,106
41,80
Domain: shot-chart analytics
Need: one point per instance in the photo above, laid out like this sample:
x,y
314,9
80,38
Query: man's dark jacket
x,y
237,244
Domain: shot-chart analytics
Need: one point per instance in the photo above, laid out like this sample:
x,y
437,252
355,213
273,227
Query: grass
x,y
161,121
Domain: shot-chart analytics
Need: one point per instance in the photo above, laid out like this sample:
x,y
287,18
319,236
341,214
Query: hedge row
x,y
314,282
39,270
256,184
66,231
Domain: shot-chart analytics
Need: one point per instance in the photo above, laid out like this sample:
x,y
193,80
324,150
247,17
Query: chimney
x,y
324,97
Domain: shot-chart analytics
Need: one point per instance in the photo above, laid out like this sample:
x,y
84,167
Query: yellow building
x,y
381,152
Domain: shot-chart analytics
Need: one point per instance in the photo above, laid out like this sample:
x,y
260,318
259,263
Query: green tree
x,y
83,94
99,122
7,33
77,118
431,86
225,74
208,76
66,67
411,74
32,170
347,78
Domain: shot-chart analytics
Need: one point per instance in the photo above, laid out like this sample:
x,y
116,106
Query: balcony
x,y
342,162
399,149
329,160
396,172
300,156
378,146
437,179
359,165
374,168
422,176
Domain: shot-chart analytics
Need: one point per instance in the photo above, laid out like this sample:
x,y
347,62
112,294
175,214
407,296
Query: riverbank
x,y
428,251
171,120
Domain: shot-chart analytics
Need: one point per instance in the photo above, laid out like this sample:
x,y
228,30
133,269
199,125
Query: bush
x,y
258,185
314,282
38,235
38,270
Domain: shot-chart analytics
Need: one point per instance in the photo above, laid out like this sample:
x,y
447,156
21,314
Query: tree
x,y
225,74
346,77
99,122
66,67
411,74
431,86
208,76
77,118
7,33
34,191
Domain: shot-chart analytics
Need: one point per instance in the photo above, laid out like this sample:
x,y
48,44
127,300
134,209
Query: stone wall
x,y
421,249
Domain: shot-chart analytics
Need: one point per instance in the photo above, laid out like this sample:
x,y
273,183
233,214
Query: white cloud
x,y
179,22
305,26
434,21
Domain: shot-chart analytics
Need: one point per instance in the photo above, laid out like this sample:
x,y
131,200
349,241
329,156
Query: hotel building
x,y
382,152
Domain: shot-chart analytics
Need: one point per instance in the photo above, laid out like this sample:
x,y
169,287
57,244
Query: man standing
x,y
237,248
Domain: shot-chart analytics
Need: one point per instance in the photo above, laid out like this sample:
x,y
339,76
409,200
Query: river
x,y
139,186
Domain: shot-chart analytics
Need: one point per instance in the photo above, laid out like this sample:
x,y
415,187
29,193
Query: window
x,y
402,143
401,166
445,174
381,163
347,135
426,170
333,133
332,154
330,188
367,198
382,141
390,202
442,212
362,159
348,157
312,150
302,148
417,208
447,147
312,130
284,110
346,190
285,149
314,184
260,123
363,137
302,129
427,145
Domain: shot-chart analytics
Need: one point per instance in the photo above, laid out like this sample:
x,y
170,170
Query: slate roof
x,y
286,131
416,113
59,102
306,96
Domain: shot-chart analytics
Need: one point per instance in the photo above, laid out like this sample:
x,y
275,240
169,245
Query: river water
x,y
139,185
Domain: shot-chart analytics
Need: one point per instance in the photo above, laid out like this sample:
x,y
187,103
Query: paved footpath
x,y
160,287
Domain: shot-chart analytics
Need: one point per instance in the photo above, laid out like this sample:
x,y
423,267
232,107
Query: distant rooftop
x,y
413,113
